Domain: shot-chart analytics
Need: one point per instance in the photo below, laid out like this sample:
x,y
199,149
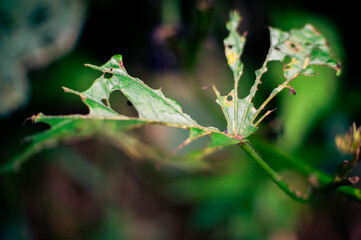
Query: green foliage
x,y
305,47
300,50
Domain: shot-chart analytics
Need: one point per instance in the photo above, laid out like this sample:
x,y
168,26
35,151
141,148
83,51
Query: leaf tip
x,y
215,90
234,20
93,67
66,89
34,118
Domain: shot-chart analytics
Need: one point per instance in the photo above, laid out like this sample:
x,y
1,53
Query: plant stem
x,y
320,177
275,177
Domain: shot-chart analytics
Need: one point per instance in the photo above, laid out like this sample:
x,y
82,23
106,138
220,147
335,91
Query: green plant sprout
x,y
306,48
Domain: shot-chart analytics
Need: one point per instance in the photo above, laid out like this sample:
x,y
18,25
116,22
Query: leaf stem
x,y
275,177
271,96
322,182
235,100
253,91
263,117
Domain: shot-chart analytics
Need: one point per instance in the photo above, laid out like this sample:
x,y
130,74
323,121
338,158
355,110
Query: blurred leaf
x,y
315,96
299,114
305,47
33,34
351,141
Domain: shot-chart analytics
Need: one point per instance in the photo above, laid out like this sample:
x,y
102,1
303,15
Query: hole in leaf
x,y
228,101
293,46
119,103
287,67
105,102
230,46
108,75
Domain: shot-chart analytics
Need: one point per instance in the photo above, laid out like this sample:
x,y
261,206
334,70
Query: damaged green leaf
x,y
102,121
305,47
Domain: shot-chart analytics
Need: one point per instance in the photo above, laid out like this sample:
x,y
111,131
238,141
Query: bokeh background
x,y
92,190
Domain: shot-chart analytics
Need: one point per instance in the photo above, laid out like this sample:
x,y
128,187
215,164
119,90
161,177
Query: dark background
x,y
88,190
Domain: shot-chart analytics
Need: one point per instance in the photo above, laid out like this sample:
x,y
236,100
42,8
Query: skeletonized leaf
x,y
238,112
304,47
233,45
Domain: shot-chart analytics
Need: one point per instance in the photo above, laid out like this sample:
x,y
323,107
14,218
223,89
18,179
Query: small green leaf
x,y
221,140
218,142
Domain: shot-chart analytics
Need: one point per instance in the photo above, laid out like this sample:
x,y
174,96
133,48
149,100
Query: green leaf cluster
x,y
305,48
